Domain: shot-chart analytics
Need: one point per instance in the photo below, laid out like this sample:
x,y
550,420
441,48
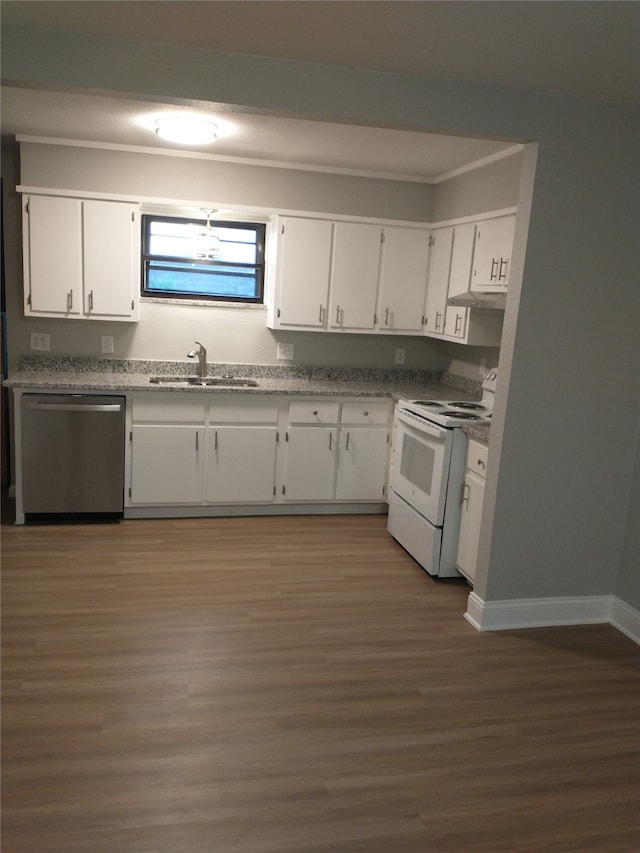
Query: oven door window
x,y
417,463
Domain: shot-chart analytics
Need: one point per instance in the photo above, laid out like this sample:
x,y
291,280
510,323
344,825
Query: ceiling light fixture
x,y
186,130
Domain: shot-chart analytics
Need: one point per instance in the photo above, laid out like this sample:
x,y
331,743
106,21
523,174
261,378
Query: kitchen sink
x,y
206,381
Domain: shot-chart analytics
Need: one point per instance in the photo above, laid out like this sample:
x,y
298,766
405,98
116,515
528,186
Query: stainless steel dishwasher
x,y
72,456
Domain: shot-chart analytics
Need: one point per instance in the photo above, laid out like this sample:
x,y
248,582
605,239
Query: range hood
x,y
479,299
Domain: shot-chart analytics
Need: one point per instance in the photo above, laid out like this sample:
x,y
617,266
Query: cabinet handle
x,y
494,270
464,498
91,300
502,275
215,441
330,440
346,447
338,315
458,322
386,316
70,300
320,314
196,441
437,320
482,463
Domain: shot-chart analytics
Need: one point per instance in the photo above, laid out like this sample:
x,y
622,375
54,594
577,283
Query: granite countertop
x,y
98,375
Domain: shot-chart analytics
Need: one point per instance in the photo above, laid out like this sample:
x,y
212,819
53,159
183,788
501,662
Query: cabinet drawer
x,y
365,412
247,411
313,412
172,408
477,457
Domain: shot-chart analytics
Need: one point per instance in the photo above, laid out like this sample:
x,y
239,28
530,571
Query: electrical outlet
x,y
483,366
284,352
40,341
400,355
107,343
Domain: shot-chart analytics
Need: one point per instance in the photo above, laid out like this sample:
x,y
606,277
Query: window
x,y
200,259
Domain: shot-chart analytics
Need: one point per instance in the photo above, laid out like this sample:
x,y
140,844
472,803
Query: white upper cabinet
x,y
438,281
52,247
355,264
456,318
111,251
403,279
303,257
81,258
358,277
492,254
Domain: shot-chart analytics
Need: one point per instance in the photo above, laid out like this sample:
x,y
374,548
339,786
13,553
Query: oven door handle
x,y
420,425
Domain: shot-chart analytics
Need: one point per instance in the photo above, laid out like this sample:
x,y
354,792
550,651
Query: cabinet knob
x,y
366,414
315,412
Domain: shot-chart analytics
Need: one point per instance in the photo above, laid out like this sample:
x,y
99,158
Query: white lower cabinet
x,y
471,514
214,450
242,443
167,451
310,466
363,455
337,452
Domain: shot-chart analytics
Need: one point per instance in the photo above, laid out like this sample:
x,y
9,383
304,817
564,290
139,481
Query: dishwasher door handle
x,y
73,407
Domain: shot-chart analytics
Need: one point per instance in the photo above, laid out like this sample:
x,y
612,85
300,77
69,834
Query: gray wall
x,y
208,180
628,587
560,476
493,187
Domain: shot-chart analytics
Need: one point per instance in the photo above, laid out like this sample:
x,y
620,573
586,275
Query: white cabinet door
x,y
241,464
302,274
167,464
492,255
81,258
403,279
310,463
111,259
355,267
362,464
456,318
52,251
438,281
470,518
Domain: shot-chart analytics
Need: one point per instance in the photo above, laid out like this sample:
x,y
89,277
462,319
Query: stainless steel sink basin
x,y
216,381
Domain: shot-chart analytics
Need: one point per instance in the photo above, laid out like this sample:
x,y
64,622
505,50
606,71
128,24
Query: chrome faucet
x,y
202,359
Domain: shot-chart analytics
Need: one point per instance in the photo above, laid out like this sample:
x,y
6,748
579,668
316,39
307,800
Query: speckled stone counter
x,y
479,432
109,375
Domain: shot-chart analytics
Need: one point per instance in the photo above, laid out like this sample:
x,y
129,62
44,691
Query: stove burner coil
x,y
476,407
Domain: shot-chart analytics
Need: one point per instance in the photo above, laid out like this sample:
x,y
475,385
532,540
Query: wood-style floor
x,y
295,685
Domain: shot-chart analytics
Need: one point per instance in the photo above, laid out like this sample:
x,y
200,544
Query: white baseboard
x,y
541,612
626,619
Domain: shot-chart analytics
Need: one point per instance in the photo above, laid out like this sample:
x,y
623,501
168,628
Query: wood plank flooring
x,y
295,685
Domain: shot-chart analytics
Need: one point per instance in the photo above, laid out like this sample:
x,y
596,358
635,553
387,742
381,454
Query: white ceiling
x,y
583,49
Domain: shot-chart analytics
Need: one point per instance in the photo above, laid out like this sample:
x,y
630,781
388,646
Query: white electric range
x,y
428,472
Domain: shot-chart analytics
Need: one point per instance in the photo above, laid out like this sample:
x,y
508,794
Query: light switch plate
x,y
107,343
40,341
400,355
284,352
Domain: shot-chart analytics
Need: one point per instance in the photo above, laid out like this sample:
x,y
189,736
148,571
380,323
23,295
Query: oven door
x,y
421,470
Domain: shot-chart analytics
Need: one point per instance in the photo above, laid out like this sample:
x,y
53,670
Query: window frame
x,y
182,295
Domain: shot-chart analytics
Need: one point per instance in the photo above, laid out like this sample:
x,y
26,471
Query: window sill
x,y
202,303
